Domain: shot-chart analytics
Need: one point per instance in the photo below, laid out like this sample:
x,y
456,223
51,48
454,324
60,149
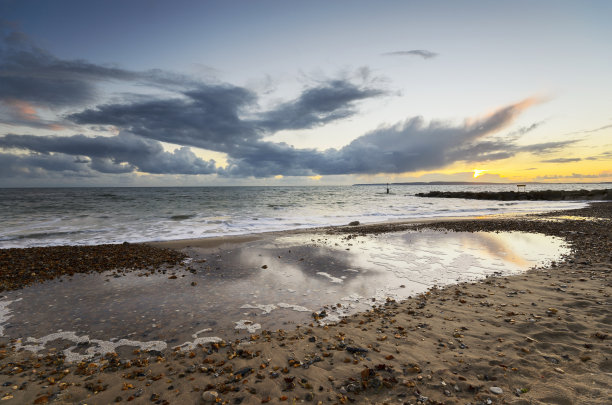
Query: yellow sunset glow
x,y
478,173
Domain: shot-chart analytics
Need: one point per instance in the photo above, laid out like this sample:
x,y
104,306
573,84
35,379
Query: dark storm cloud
x,y
561,160
123,153
423,53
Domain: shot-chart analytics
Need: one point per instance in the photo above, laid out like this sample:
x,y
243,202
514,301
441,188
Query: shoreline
x,y
539,337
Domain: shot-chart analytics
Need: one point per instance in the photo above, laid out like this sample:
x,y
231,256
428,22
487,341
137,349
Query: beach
x,y
540,336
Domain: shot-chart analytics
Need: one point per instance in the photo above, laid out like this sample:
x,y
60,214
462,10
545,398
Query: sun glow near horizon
x,y
479,172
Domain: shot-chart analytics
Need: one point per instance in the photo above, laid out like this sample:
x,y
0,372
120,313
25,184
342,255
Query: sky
x,y
204,93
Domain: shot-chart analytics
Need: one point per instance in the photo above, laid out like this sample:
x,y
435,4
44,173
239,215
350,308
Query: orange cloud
x,y
22,109
27,112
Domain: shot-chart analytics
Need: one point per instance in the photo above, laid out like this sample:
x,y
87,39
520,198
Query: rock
x,y
210,397
354,350
496,390
354,223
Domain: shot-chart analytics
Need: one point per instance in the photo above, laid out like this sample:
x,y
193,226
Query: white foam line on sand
x,y
248,325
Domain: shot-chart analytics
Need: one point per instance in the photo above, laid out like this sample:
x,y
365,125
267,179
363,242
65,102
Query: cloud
x,y
22,113
602,156
524,130
316,106
561,160
407,146
32,78
423,53
123,153
224,118
210,116
36,165
207,117
31,74
599,129
601,175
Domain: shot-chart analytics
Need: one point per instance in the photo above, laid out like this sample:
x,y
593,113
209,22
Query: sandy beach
x,y
540,337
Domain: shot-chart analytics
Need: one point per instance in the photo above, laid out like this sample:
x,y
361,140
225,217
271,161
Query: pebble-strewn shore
x,y
21,267
537,338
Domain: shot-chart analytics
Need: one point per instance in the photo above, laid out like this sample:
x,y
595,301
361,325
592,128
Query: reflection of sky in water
x,y
304,273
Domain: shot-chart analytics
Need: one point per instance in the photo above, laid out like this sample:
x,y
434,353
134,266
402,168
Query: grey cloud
x,y
37,165
602,156
123,153
31,74
210,117
577,176
547,147
423,53
317,106
599,129
523,130
407,146
562,160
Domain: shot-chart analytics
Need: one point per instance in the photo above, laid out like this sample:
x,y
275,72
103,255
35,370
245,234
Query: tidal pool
x,y
231,291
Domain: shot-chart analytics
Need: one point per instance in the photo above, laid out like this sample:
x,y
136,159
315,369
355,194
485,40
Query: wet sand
x,y
537,337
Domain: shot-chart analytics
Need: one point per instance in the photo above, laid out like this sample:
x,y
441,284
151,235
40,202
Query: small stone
x,y
496,390
354,223
210,397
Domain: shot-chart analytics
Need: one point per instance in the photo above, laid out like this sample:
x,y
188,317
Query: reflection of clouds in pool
x,y
330,277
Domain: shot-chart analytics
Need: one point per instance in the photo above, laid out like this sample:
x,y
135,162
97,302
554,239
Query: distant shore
x,y
540,337
546,195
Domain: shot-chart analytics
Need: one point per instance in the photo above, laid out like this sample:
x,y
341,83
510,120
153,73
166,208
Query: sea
x,y
32,217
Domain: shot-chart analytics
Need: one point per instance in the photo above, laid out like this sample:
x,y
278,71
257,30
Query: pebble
x,y
496,390
210,397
